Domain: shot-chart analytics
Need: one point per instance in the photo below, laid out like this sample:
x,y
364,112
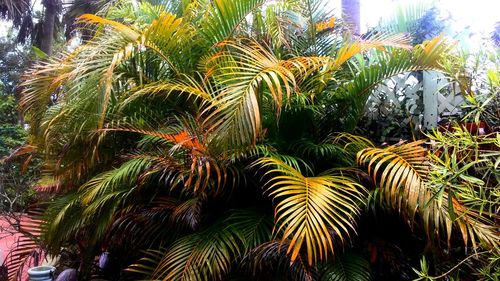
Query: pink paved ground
x,y
8,240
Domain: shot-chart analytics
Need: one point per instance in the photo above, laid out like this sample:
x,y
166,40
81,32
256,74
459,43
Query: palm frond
x,y
255,226
426,56
145,225
236,111
223,17
40,87
321,150
404,20
207,255
350,142
400,171
314,12
95,204
277,22
173,40
309,206
271,259
188,86
347,267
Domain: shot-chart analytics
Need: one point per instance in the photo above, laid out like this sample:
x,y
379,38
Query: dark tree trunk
x,y
351,14
49,19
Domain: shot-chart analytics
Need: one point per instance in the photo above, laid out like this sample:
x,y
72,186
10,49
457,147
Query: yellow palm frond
x,y
325,25
402,174
431,52
310,209
188,87
172,39
123,29
399,171
42,81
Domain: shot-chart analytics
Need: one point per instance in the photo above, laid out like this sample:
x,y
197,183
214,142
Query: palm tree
x,y
182,127
52,9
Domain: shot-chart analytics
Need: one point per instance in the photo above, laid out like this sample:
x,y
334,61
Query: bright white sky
x,y
479,16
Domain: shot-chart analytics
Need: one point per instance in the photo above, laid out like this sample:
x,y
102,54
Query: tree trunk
x,y
49,19
351,14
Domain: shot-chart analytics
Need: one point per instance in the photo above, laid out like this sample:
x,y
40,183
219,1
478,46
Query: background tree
x,y
14,182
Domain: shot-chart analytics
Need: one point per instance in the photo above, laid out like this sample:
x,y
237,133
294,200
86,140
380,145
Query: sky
x,y
469,20
478,16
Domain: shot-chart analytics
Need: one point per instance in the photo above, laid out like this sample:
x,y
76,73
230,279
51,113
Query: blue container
x,y
41,273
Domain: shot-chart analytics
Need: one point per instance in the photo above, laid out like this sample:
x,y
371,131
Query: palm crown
x,y
179,128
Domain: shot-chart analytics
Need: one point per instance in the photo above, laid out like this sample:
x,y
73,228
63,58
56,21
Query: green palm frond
x,y
223,17
145,225
255,226
316,72
95,204
167,36
351,143
425,56
93,67
173,40
310,206
271,259
347,267
126,175
321,150
209,254
313,12
404,20
236,111
185,153
187,213
277,22
102,62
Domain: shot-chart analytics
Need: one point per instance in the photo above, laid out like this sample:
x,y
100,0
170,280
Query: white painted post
x,y
430,92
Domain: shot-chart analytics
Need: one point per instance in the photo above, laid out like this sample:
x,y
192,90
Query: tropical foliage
x,y
210,140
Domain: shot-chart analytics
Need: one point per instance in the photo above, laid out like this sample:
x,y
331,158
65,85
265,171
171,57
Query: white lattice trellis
x,y
423,99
